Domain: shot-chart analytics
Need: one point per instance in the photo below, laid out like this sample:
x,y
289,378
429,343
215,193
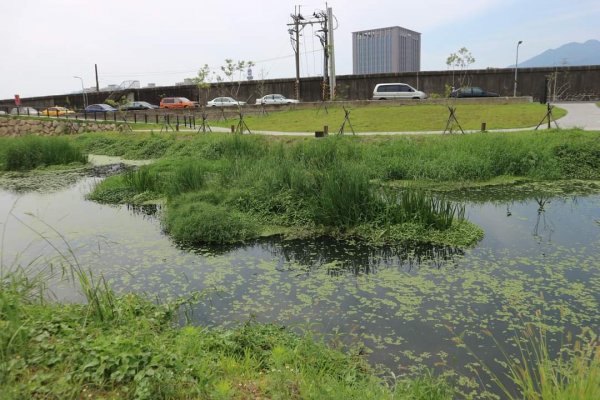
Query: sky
x,y
46,43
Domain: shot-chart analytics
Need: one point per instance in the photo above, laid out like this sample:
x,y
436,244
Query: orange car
x,y
176,102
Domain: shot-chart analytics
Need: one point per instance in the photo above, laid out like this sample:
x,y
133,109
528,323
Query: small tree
x,y
460,60
202,81
230,69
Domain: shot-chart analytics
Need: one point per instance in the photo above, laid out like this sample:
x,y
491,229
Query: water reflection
x,y
343,257
145,210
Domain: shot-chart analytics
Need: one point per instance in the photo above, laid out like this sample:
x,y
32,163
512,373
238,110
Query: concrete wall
x,y
10,126
573,83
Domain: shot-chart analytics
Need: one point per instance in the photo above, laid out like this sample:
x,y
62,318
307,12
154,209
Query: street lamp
x,y
516,68
82,91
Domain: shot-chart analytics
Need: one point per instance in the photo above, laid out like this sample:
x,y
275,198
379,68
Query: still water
x,y
400,305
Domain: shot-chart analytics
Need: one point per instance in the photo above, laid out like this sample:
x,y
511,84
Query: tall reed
x,y
30,152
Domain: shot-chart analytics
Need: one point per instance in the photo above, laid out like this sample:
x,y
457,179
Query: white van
x,y
387,91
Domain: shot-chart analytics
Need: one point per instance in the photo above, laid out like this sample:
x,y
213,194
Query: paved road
x,y
580,115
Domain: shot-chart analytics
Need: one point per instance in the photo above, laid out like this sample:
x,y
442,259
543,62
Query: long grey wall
x,y
573,83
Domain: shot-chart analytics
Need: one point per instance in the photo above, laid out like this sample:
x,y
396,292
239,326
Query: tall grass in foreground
x,y
30,152
574,373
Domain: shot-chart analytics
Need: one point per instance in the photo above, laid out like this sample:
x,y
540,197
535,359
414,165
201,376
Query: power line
x,y
193,71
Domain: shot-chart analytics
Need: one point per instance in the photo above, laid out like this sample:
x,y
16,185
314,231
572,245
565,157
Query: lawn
x,y
399,118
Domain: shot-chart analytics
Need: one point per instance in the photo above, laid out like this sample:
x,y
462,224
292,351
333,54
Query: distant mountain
x,y
587,53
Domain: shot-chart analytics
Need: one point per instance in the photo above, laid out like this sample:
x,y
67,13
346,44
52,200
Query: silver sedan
x,y
225,102
275,99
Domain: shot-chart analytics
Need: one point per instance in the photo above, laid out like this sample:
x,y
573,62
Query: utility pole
x,y
295,31
331,55
97,84
326,37
321,16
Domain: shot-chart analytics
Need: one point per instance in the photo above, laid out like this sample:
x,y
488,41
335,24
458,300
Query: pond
x,y
402,306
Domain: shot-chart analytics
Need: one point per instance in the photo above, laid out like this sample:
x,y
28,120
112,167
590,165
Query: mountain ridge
x,y
569,54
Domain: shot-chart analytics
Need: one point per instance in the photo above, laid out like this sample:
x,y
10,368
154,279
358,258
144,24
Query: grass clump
x,y
192,221
30,152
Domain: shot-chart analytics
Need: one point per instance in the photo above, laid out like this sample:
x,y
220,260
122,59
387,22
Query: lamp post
x,y
82,91
516,68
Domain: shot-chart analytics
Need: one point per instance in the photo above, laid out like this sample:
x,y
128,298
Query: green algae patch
x,y
43,180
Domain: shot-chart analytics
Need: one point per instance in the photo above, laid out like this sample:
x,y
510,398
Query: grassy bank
x,y
399,118
129,348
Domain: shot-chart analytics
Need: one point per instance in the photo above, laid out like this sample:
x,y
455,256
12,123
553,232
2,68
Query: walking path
x,y
580,115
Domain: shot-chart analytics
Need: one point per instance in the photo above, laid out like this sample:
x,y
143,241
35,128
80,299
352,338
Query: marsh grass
x,y
343,185
29,152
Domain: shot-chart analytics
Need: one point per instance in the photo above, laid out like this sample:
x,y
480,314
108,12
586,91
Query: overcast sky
x,y
44,43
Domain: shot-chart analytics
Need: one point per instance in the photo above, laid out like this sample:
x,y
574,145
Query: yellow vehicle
x,y
56,111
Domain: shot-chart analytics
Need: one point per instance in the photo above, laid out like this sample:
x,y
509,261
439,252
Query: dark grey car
x,y
472,92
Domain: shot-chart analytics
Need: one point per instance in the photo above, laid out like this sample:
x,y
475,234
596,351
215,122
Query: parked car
x,y
472,92
56,111
24,111
225,102
388,91
177,102
99,108
275,99
138,105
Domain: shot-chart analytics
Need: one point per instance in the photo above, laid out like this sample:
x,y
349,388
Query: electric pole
x,y
97,84
324,18
295,31
331,55
323,36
